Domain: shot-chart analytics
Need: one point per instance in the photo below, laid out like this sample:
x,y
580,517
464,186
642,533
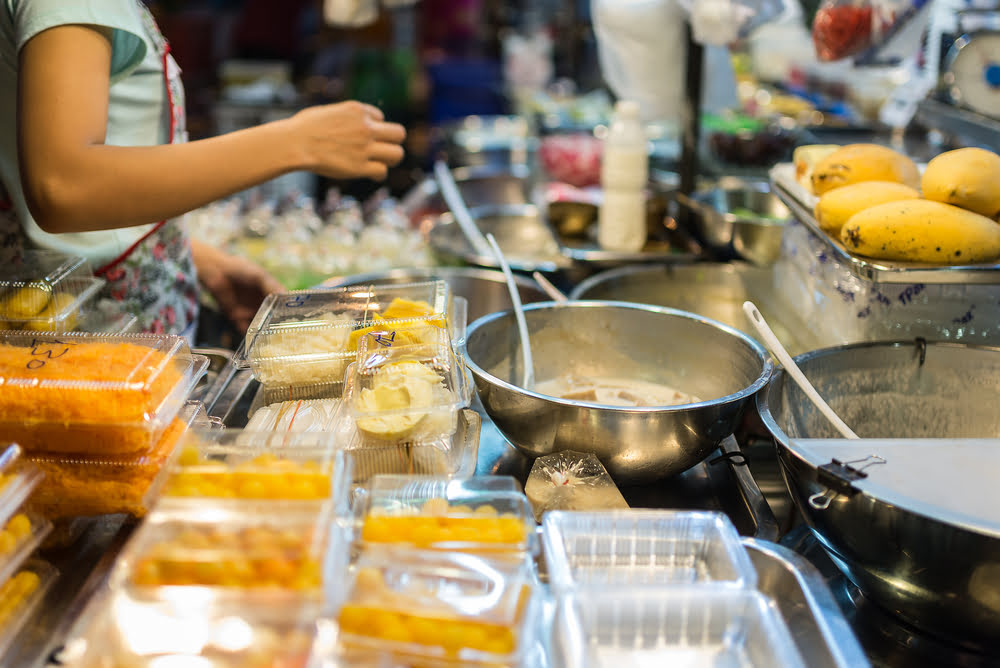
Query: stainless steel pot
x,y
702,357
937,576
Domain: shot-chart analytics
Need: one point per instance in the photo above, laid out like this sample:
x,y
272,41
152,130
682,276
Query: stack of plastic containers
x,y
98,414
438,572
658,588
375,367
46,291
231,566
23,578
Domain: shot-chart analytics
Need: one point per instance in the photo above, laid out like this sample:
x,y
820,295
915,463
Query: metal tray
x,y
801,204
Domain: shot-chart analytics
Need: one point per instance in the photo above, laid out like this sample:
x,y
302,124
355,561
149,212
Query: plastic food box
x,y
106,317
432,609
19,536
451,456
43,291
264,466
18,479
78,487
644,547
610,628
93,395
258,553
310,336
407,394
126,632
294,416
480,515
20,596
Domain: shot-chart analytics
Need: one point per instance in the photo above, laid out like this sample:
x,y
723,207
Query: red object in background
x,y
842,30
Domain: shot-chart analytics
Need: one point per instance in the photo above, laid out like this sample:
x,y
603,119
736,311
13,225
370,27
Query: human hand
x,y
237,284
347,140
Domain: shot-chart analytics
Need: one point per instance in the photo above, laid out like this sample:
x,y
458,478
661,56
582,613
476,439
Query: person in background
x,y
94,159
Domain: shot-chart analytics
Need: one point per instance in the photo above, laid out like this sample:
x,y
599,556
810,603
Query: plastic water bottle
x,y
621,223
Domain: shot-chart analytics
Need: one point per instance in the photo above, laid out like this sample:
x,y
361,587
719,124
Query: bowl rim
x,y
763,378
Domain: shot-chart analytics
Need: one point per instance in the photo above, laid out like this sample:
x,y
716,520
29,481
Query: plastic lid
x,y
460,606
487,514
627,110
43,290
241,464
20,596
92,393
309,336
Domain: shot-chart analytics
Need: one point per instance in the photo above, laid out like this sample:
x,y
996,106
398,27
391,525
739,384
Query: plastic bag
x,y
851,28
722,22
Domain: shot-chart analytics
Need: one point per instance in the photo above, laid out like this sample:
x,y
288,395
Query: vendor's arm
x,y
237,284
73,182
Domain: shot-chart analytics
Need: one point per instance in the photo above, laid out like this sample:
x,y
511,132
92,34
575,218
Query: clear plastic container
x,y
488,514
264,466
93,395
256,552
43,291
205,634
20,596
79,487
299,415
404,394
610,628
106,317
644,547
310,336
453,456
431,609
18,479
19,537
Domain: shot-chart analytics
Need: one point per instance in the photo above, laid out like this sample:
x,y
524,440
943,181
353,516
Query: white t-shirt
x,y
138,114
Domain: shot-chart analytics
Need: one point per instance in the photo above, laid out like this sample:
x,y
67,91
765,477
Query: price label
x,y
385,339
43,351
295,301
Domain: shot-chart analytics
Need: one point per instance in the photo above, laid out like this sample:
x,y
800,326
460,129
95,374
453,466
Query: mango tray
x,y
801,204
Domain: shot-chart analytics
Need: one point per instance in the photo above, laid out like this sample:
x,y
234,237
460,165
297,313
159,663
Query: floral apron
x,y
154,278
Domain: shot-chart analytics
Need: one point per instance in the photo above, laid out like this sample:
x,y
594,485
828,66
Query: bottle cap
x,y
627,109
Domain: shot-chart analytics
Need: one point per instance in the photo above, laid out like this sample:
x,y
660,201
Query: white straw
x,y
792,369
528,381
551,290
453,198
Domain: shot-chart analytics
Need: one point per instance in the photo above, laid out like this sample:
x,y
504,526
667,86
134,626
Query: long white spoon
x,y
793,370
552,291
453,198
528,376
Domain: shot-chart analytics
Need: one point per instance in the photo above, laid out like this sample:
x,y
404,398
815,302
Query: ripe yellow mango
x,y
920,230
26,302
863,162
965,177
836,206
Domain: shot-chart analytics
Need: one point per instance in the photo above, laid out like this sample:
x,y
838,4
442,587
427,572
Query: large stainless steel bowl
x,y
610,339
939,577
485,289
713,290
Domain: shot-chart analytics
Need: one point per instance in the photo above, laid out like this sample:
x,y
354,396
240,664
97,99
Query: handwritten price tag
x,y
43,351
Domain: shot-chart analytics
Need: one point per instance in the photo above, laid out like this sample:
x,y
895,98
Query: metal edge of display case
x,y
962,123
888,272
820,630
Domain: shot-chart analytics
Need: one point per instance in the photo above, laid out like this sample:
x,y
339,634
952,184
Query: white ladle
x,y
453,198
792,369
552,291
528,378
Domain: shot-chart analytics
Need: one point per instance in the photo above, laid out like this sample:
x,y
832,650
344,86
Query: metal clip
x,y
839,478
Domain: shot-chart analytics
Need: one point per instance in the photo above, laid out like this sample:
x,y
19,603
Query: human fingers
x,y
372,112
389,132
387,154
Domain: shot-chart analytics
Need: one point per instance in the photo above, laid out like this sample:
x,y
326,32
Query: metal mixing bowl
x,y
617,340
712,290
743,220
485,289
934,575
